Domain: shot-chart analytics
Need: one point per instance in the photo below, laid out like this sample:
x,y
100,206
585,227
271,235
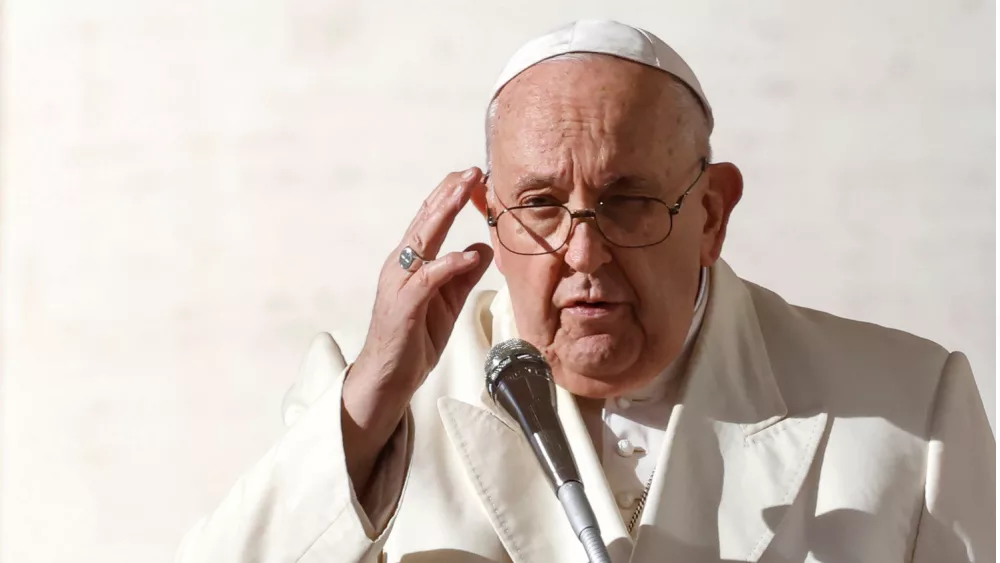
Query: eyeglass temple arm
x,y
676,207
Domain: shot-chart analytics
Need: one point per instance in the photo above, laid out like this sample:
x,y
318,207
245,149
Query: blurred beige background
x,y
192,189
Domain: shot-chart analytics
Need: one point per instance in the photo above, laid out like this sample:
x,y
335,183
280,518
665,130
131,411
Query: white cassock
x,y
799,436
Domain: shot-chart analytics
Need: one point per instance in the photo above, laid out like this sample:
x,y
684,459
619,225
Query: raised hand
x,y
417,303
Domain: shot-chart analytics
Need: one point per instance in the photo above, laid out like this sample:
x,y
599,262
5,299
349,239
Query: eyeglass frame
x,y
591,213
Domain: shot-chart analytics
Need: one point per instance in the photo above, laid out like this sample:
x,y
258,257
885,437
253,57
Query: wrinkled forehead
x,y
599,111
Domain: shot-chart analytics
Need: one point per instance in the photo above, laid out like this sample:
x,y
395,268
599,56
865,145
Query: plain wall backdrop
x,y
191,190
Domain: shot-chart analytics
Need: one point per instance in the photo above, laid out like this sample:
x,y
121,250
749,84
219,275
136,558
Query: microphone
x,y
519,380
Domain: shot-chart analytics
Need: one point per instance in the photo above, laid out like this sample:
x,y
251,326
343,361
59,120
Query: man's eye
x,y
624,199
539,200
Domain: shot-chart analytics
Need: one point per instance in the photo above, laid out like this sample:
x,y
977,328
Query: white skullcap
x,y
608,38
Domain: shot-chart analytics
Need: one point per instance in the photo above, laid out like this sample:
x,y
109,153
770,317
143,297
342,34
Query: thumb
x,y
461,285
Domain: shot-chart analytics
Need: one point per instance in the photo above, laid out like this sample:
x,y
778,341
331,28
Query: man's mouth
x,y
593,309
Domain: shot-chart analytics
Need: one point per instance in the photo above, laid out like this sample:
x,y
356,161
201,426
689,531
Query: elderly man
x,y
710,420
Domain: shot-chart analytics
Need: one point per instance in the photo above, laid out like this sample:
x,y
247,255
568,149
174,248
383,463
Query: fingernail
x,y
469,255
469,174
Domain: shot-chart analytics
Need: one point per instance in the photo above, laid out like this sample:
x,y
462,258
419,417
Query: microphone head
x,y
504,354
519,381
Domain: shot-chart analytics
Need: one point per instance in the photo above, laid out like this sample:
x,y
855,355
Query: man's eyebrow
x,y
628,182
624,182
532,182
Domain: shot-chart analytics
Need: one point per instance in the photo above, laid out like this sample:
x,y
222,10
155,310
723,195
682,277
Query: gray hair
x,y
695,130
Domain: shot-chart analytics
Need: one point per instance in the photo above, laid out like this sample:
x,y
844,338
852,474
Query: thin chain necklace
x,y
642,504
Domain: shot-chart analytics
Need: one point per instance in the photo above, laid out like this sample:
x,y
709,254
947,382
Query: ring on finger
x,y
410,260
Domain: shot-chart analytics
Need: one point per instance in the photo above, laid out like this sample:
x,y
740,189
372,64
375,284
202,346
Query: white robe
x,y
800,437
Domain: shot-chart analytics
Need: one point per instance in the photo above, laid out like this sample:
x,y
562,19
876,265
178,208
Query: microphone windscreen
x,y
501,356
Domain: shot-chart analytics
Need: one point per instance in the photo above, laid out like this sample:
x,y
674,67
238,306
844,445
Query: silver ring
x,y
408,256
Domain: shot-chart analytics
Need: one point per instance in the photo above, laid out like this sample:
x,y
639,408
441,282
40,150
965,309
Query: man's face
x,y
575,132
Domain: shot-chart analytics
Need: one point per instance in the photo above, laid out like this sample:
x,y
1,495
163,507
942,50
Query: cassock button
x,y
626,499
625,448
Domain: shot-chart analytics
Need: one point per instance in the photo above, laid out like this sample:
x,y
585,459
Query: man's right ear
x,y
479,198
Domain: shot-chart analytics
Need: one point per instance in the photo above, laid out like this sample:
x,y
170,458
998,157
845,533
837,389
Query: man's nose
x,y
586,250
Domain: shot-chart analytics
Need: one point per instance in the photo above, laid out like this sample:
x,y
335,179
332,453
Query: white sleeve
x,y
958,521
297,504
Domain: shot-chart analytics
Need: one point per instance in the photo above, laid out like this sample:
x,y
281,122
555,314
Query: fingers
x,y
429,228
431,276
452,276
458,289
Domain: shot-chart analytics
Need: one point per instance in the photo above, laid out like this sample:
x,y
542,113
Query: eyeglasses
x,y
627,221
